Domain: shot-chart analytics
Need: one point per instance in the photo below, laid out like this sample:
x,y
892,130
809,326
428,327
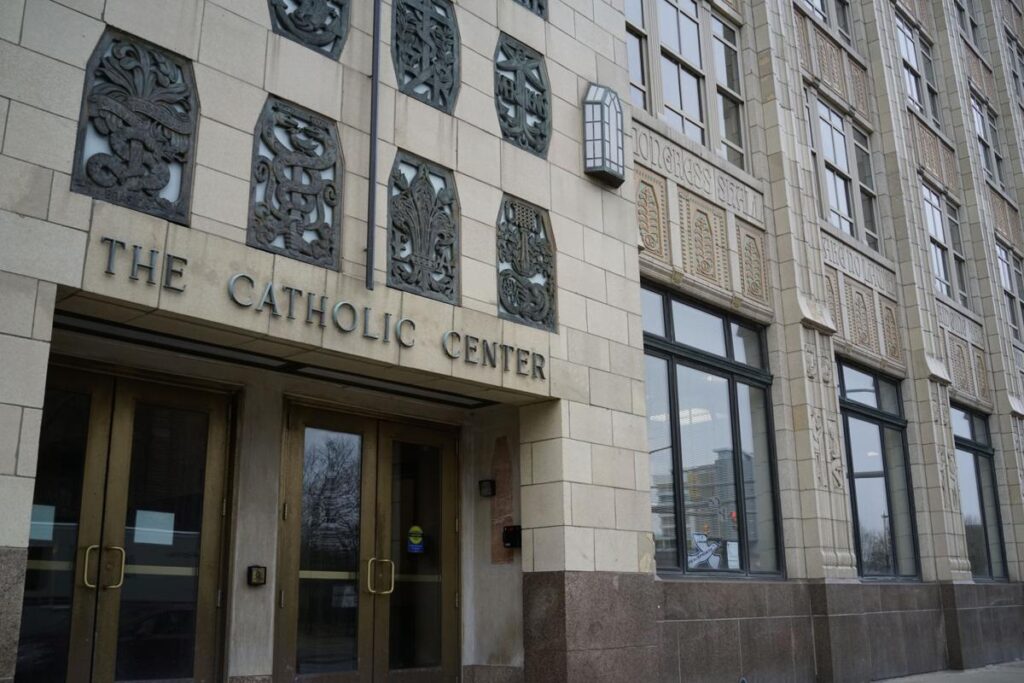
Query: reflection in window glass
x,y
961,422
899,495
659,445
873,526
859,386
970,509
746,345
988,500
758,487
698,328
979,502
865,446
653,312
709,480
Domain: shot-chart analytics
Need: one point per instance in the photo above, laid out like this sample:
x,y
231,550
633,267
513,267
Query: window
x,y
710,440
636,46
879,475
942,218
862,149
1011,276
834,13
918,70
967,19
696,53
986,132
979,504
837,169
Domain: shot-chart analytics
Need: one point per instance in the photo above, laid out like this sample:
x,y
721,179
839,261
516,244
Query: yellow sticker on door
x,y
415,545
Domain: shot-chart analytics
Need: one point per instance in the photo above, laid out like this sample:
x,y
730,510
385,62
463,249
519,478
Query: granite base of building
x,y
984,623
12,586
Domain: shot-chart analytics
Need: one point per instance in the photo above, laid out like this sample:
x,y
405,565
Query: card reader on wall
x,y
512,536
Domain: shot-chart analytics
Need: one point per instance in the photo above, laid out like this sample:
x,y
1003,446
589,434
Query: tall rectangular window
x,y
979,504
936,224
986,132
963,283
837,169
911,64
713,486
967,19
636,51
729,89
1010,277
879,473
918,70
682,67
866,179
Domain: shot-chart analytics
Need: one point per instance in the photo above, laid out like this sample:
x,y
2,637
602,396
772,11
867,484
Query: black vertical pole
x,y
371,201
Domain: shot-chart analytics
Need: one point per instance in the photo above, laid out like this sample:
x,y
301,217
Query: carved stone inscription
x,y
295,204
853,263
522,95
425,50
137,128
423,235
697,175
526,265
321,25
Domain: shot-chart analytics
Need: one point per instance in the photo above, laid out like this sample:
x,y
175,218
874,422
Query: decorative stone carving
x,y
804,40
526,265
295,195
705,249
960,365
425,50
652,214
832,299
981,375
753,273
818,446
859,87
836,461
830,61
862,316
423,231
891,331
136,132
538,7
522,95
320,25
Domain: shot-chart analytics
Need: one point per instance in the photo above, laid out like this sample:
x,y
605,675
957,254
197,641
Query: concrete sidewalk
x,y
1000,673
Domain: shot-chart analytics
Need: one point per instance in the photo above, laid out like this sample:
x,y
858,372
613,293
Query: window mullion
x,y
888,500
738,478
655,88
677,465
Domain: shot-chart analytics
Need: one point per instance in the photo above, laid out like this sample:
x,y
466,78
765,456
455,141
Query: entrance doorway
x,y
367,570
123,574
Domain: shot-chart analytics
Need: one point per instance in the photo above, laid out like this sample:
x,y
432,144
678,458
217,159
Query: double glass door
x,y
124,545
368,552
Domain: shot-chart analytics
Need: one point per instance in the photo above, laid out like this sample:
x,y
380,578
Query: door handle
x,y
124,556
369,575
391,586
85,566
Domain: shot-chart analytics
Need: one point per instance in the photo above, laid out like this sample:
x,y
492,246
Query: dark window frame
x,y
849,407
675,353
981,449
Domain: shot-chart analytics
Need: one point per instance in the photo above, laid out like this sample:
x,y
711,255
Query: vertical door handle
x,y
85,566
391,585
124,556
369,575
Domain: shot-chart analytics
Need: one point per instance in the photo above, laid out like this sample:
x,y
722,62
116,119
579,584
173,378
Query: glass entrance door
x,y
368,552
124,553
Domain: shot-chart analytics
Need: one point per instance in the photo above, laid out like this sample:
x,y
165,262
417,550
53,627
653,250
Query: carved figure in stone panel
x,y
321,25
526,265
425,49
136,132
295,202
538,7
522,95
423,231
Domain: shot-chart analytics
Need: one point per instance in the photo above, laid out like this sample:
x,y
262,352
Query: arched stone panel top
x,y
137,128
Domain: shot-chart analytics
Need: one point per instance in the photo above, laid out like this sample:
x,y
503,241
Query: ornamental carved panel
x,y
652,214
136,132
981,375
753,274
804,43
295,193
859,88
830,61
892,347
538,7
522,95
526,265
862,329
320,25
425,50
832,299
705,243
960,365
423,229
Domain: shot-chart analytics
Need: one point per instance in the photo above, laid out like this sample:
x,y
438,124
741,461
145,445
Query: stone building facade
x,y
323,356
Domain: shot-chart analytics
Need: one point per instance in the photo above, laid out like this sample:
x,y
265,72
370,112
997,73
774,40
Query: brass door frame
x,y
95,611
444,441
297,419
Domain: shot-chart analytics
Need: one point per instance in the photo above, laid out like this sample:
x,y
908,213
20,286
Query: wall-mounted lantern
x,y
603,152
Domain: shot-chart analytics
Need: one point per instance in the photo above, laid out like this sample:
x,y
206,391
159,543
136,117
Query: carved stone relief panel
x,y
805,41
892,347
423,229
960,364
979,74
136,132
705,243
527,288
538,7
832,299
861,316
830,62
859,88
295,192
753,273
522,95
652,214
981,375
425,50
320,25
1007,221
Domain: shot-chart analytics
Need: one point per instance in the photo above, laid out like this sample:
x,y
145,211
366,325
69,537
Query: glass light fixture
x,y
604,145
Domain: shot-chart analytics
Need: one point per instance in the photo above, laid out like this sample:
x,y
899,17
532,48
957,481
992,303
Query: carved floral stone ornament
x,y
423,231
137,128
425,50
604,154
522,95
321,25
526,265
295,201
538,7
